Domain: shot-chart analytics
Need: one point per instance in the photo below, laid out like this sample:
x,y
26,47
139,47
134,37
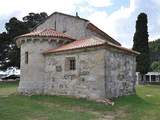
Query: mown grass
x,y
143,106
7,88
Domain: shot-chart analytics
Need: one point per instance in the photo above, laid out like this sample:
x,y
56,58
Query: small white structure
x,y
150,77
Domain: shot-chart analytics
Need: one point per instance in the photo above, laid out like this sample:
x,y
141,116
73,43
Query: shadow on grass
x,y
135,102
73,102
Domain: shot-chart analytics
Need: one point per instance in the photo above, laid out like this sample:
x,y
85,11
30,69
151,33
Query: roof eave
x,y
102,32
63,51
100,45
19,38
123,49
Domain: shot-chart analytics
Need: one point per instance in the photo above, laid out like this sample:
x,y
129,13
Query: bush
x,y
155,66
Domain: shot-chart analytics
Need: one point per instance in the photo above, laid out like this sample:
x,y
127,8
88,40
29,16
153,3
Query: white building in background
x,y
150,77
153,77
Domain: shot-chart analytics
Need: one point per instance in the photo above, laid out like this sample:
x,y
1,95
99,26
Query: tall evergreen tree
x,y
141,44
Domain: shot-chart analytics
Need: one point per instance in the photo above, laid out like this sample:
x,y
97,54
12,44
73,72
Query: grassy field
x,y
143,106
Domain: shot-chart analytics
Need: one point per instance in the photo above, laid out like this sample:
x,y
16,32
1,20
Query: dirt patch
x,y
108,115
38,118
121,113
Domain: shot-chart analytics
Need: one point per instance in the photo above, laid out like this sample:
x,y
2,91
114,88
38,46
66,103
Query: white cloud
x,y
100,3
98,17
67,6
154,37
156,1
26,6
119,23
111,23
158,20
84,9
20,8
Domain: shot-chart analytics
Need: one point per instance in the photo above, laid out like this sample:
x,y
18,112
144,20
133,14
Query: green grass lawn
x,y
143,106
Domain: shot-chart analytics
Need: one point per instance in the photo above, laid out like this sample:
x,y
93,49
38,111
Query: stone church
x,y
68,55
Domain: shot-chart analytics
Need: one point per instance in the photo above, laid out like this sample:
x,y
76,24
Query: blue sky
x,y
116,17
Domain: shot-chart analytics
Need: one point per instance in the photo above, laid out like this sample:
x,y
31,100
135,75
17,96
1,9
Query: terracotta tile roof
x,y
46,33
85,43
122,48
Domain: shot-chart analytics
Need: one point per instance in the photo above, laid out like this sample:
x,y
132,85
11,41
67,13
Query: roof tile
x,y
83,43
47,33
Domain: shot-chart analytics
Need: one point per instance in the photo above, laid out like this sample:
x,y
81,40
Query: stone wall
x,y
86,81
72,26
32,74
75,27
99,72
120,73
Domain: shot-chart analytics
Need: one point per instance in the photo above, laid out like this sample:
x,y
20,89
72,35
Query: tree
x,y
4,49
16,27
154,47
141,45
32,19
9,52
155,66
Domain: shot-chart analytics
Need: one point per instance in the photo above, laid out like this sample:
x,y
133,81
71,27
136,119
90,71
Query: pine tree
x,y
141,44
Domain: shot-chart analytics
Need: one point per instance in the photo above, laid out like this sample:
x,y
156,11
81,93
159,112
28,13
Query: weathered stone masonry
x,y
86,81
101,67
120,74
